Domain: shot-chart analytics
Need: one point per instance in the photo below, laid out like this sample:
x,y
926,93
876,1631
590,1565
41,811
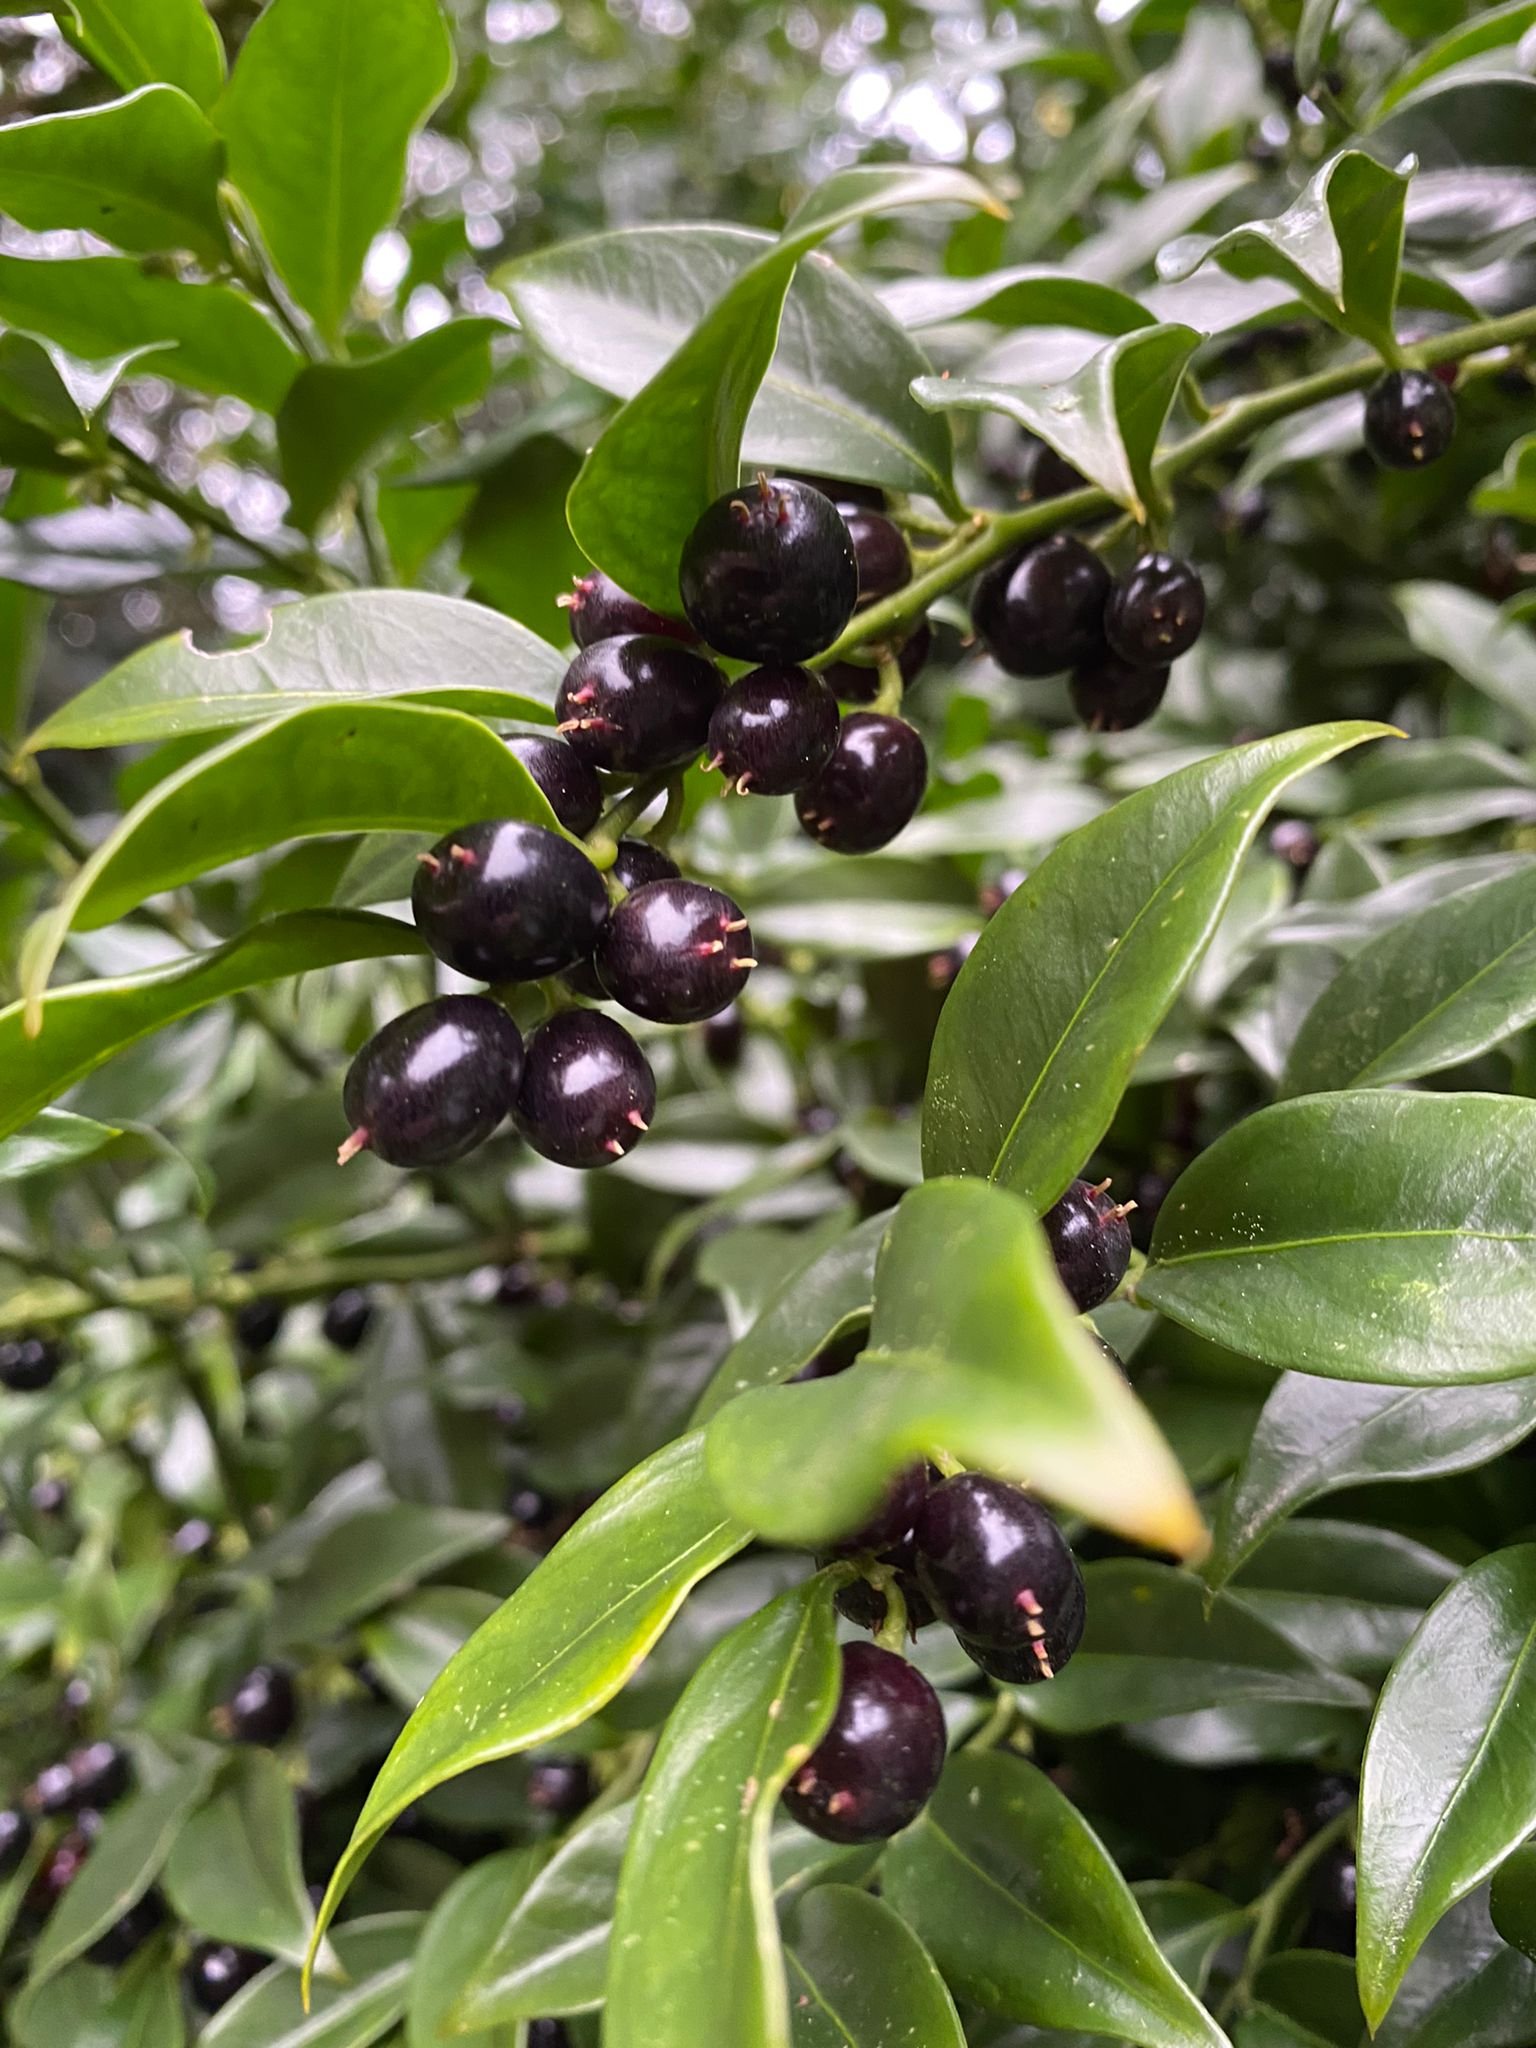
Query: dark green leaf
x,y
1028,295
1510,493
355,646
1490,28
1189,1923
1068,982
1448,1786
515,547
860,1978
345,84
1348,1595
1023,1910
462,1926
415,1639
145,42
55,1139
234,1871
94,2009
1513,1899
1493,653
695,1947
1466,1989
377,1955
373,1557
1365,1236
1316,21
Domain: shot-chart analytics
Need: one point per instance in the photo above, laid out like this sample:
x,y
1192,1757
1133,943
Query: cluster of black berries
x,y
29,1363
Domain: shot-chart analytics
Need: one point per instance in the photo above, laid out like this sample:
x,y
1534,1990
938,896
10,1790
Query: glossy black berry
x,y
547,2034
892,1521
864,1604
504,901
1155,611
125,1937
347,1318
869,789
600,610
101,1774
560,1786
569,783
1109,695
638,703
1033,1662
635,863
15,1839
835,1356
434,1083
1050,475
875,1768
769,573
773,731
858,682
263,1707
61,1866
675,952
28,1364
588,1093
258,1323
52,1791
1090,1242
999,1571
1410,419
1042,609
216,1970
880,552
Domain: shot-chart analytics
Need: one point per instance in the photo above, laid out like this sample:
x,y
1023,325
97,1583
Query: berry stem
x,y
892,1632
602,842
888,698
1268,1909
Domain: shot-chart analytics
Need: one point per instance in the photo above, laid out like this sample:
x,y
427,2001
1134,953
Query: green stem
x,y
603,839
299,572
1269,1908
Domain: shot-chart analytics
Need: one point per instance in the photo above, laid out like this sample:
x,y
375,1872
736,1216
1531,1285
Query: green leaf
x,y
1339,246
1513,1899
1448,1786
377,1955
1363,1236
142,173
463,1924
1158,1643
1023,1910
1189,1923
676,445
353,647
1494,654
1510,492
345,84
515,546
565,1642
96,2009
89,1021
1027,295
1349,1596
336,768
124,1862
1428,993
1316,21
612,308
1491,28
338,417
146,42
53,1140
373,1557
1105,420
414,1640
208,336
974,1347
1466,1989
860,1978
1042,1030
234,1871
695,1949
1317,1437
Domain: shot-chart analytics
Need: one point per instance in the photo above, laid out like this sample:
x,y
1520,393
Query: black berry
x,y
504,901
60,1868
600,610
1032,1663
858,682
101,1774
547,2034
769,573
1050,475
892,1521
560,1786
28,1364
999,1571
50,1496
1041,609
773,731
569,783
835,1356
216,1970
347,1317
870,787
434,1083
880,552
636,862
875,1768
258,1323
638,703
1410,419
1112,696
588,1092
675,952
125,1937
195,1538
15,1839
725,1036
263,1707
1090,1242
52,1791
864,1604
1155,611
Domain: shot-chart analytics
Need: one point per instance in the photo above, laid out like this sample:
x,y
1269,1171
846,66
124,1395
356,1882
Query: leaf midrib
x,y
1261,1248
1446,1002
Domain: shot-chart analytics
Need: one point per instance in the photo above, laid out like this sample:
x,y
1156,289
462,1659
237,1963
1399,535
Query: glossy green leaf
x,y
1317,1437
1495,654
377,1954
1190,1924
1105,420
234,1871
1466,1989
1426,994
1448,1787
461,1927
695,1949
415,1639
1027,295
335,768
1510,493
97,2009
1349,1595
1363,1236
1316,20
1512,1900
1490,28
1043,1028
514,545
346,84
209,336
124,1861
145,42
1024,1911
54,1139
353,647
338,417
1158,1643
860,1978
612,308
974,1347
142,173
565,1642
372,1556
676,445
1317,1991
